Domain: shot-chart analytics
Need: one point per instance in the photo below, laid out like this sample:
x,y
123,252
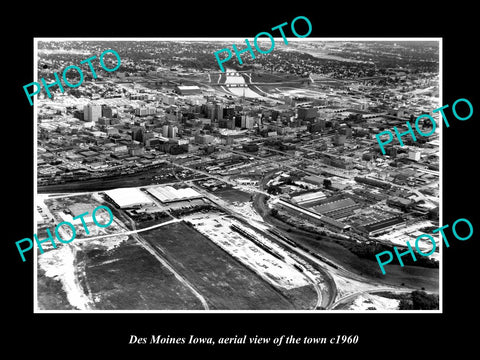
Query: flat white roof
x,y
309,196
168,193
126,197
188,87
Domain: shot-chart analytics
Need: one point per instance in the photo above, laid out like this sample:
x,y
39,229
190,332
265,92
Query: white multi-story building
x,y
414,155
92,112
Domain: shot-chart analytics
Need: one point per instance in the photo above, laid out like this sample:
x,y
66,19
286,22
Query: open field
x,y
221,279
51,294
112,273
269,77
218,228
412,276
231,195
105,273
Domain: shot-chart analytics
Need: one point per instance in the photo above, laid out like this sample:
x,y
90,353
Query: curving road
x,y
336,276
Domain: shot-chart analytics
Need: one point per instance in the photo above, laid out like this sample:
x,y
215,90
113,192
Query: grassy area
x,y
391,295
221,279
413,276
130,278
303,297
260,76
50,294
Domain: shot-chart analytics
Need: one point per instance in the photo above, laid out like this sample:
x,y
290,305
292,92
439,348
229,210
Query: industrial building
x,y
187,90
314,179
399,202
372,182
337,209
414,155
77,209
308,198
128,197
382,225
313,216
168,194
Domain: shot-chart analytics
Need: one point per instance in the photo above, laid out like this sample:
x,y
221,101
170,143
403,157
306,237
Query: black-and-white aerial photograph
x,y
168,179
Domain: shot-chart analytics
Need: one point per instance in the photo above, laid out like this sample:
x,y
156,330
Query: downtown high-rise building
x,y
92,112
165,131
137,133
219,112
247,122
172,131
107,111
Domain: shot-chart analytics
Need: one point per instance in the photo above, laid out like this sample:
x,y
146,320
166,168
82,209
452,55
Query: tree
x,y
423,301
419,300
405,304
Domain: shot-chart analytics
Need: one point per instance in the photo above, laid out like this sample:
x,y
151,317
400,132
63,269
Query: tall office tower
x,y
146,136
323,124
92,112
339,139
137,133
238,121
172,131
219,111
228,113
210,111
249,122
165,131
275,115
231,124
107,111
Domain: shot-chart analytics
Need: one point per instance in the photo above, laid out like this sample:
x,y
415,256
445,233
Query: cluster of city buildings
x,y
321,132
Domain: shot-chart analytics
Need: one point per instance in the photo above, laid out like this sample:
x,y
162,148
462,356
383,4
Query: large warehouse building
x,y
308,199
128,197
188,90
168,194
